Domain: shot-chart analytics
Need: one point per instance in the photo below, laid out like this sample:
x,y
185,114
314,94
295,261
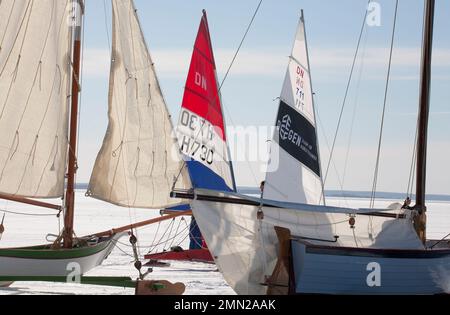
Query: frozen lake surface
x,y
94,216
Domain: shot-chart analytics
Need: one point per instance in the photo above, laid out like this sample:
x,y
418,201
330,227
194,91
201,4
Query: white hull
x,y
81,262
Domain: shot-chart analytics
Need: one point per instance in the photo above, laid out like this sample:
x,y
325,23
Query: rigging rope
x,y
412,172
346,95
28,214
377,167
228,72
162,236
355,108
327,143
157,231
106,24
240,45
188,234
176,232
170,232
152,247
149,249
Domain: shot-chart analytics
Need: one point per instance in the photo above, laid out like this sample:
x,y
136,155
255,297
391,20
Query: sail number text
x,y
197,143
300,88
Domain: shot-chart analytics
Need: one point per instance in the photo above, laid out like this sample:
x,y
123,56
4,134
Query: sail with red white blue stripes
x,y
201,128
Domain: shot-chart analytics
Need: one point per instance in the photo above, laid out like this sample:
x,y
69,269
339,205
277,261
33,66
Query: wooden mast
x,y
72,164
425,84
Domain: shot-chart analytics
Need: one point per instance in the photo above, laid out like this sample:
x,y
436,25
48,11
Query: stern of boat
x,y
368,271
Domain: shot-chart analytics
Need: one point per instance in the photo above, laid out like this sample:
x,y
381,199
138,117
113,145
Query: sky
x,y
250,92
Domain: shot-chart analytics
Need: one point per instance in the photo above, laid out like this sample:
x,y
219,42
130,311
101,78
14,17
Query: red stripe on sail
x,y
201,95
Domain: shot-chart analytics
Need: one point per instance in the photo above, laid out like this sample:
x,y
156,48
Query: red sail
x,y
201,127
201,94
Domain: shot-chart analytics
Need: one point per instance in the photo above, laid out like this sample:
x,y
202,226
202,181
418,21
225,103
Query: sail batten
x,y
35,46
139,158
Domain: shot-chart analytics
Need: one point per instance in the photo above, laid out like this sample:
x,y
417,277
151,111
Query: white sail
x,y
294,173
35,45
139,159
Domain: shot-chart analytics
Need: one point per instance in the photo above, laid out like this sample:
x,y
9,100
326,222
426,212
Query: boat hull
x,y
247,252
338,270
43,261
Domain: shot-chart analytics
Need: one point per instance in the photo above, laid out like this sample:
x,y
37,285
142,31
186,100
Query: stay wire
x,y
240,45
327,143
28,214
377,167
106,24
355,109
413,164
346,95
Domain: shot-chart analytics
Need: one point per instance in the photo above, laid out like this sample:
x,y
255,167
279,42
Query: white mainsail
x,y
35,46
294,172
139,159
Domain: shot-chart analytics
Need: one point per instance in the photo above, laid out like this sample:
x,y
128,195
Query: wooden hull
x,y
339,270
43,261
199,255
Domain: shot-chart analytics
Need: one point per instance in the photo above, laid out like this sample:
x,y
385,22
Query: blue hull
x,y
337,270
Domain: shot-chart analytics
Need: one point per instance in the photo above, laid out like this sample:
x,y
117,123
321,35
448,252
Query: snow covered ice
x,y
94,216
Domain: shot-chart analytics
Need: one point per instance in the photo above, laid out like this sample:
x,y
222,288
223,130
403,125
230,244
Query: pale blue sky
x,y
170,28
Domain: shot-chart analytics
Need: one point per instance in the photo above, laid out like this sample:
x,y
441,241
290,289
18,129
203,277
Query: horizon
x,y
333,193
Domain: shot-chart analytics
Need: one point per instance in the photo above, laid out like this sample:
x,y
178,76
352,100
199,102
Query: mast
x,y
425,85
72,164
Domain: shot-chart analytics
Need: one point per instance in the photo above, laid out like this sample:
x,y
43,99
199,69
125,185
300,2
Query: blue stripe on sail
x,y
204,177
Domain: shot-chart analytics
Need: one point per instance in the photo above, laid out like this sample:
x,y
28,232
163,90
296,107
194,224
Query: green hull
x,y
43,261
46,252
